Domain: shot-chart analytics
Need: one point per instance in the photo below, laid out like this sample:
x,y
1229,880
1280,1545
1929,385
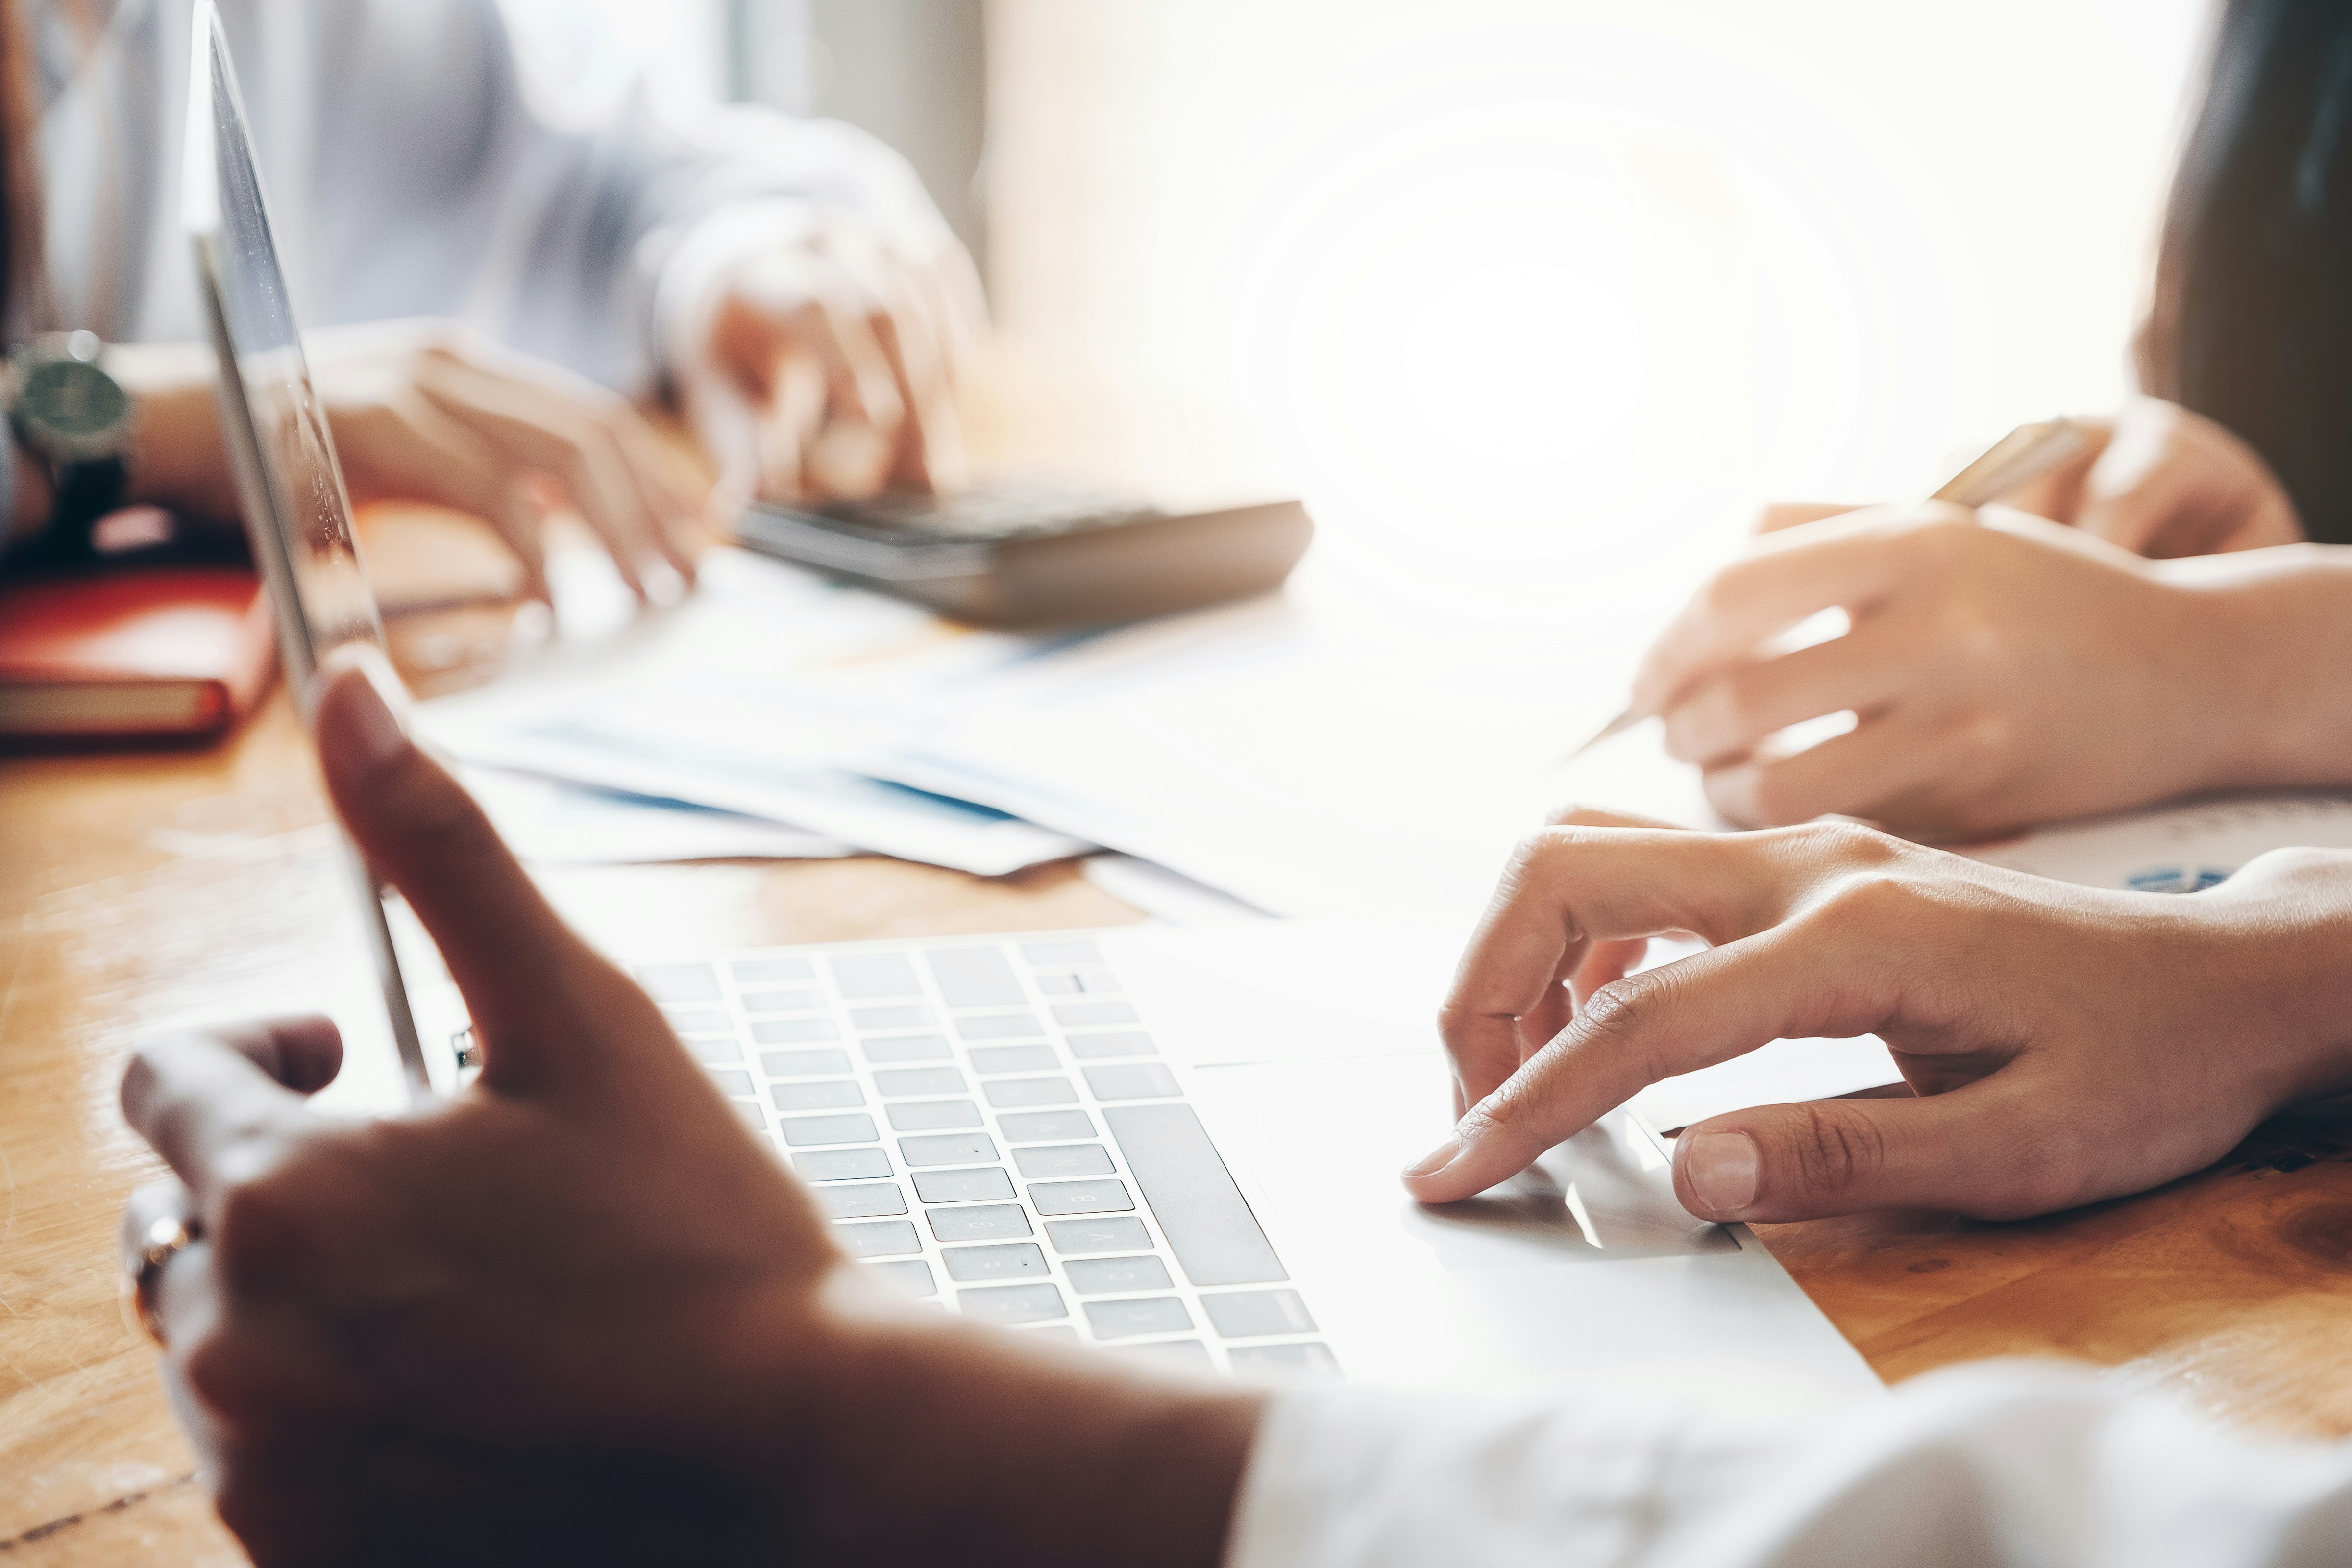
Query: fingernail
x,y
377,712
1436,1160
1722,1168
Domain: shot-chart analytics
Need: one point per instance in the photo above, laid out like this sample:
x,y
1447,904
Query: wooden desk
x,y
137,889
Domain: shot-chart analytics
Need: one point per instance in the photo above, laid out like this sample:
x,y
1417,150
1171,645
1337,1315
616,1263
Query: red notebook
x,y
141,650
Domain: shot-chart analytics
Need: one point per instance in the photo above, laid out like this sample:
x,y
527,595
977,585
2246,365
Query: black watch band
x,y
81,494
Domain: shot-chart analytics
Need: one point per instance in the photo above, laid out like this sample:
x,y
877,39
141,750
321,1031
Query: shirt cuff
x,y
1358,1478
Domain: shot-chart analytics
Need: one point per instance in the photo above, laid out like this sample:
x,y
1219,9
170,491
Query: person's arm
x,y
2003,670
790,278
1998,1467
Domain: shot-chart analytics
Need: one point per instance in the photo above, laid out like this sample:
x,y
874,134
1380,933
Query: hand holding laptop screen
x,y
579,1302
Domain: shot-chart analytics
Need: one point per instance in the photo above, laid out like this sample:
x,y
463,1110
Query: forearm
x,y
177,459
2282,620
918,1439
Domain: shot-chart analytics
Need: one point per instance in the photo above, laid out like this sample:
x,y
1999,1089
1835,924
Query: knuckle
x,y
1834,1153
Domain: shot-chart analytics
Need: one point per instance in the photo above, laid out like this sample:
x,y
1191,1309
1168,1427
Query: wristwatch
x,y
74,418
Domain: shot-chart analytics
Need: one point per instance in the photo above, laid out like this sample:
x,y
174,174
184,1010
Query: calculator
x,y
1036,554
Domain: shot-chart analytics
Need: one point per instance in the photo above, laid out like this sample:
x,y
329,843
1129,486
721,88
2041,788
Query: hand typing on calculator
x,y
581,1302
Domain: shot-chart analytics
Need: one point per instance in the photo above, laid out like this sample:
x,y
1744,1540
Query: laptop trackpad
x,y
1583,1268
1327,1139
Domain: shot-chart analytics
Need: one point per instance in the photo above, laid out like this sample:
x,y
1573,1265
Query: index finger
x,y
1570,886
195,1097
1849,562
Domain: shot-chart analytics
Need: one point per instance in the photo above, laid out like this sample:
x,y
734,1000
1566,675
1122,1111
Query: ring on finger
x,y
166,1236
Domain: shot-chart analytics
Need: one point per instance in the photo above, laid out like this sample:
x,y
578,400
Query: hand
x,y
2001,669
577,1312
2162,482
2155,479
421,411
826,367
2066,1044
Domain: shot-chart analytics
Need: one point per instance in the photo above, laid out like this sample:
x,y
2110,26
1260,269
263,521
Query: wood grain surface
x,y
143,891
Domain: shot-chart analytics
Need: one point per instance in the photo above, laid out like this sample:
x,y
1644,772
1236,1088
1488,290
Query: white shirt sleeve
x,y
1974,1467
533,181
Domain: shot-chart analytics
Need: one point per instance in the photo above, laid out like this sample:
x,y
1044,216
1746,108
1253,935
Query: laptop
x,y
1180,1146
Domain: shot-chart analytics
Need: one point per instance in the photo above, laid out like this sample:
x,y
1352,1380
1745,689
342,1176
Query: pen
x,y
2025,454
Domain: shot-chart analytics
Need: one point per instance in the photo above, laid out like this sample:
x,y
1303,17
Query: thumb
x,y
523,972
1971,1150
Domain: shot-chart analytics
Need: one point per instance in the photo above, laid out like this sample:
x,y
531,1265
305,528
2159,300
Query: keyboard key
x,y
841,1165
1013,1058
982,1222
805,1130
710,1051
1310,1361
793,1031
876,1020
1018,1261
1103,1276
975,977
1065,1160
881,1239
783,1002
816,1096
1019,1091
1134,1080
684,983
753,1118
1184,1352
737,1084
964,1186
804,1064
931,1115
858,1202
1056,1332
863,975
773,971
1046,954
1105,1197
701,1023
1013,1303
1059,984
1118,1043
1150,1315
1246,1314
948,1148
913,1274
1045,1126
907,1048
1000,1027
1078,1013
1082,1235
1207,1222
896,1083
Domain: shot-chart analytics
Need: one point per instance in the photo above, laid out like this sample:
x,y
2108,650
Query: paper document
x,y
759,695
2176,849
554,822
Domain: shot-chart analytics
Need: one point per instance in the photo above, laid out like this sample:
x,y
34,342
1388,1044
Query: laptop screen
x,y
296,508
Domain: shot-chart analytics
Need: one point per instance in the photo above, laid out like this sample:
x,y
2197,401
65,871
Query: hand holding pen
x,y
2001,669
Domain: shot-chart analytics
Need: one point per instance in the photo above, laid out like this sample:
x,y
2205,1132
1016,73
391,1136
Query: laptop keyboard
x,y
989,1124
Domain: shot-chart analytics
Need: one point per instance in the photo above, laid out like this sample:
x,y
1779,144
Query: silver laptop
x,y
1179,1145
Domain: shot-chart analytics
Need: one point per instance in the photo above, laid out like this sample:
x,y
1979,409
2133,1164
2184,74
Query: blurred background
x,y
1529,297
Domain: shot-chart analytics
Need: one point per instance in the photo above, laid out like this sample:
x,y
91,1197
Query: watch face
x,y
76,408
